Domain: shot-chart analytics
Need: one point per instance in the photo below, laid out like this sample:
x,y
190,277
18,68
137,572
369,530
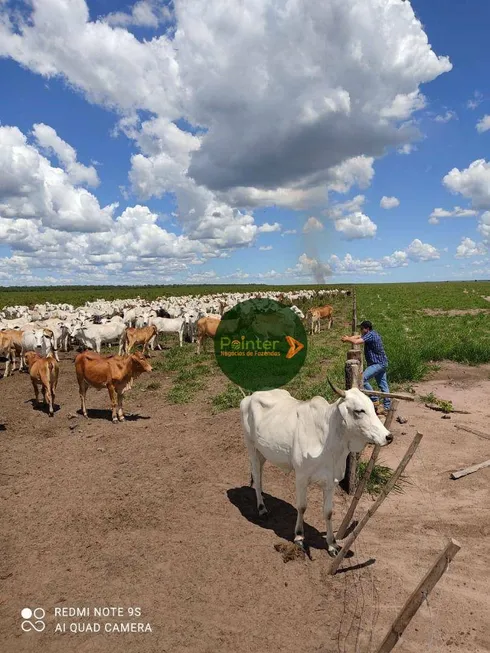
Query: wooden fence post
x,y
353,379
367,473
416,598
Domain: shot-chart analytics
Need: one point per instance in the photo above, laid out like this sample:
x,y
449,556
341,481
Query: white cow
x,y
168,325
96,335
298,312
313,438
39,340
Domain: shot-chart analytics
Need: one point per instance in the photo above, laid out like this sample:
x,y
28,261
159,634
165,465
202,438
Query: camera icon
x,y
38,615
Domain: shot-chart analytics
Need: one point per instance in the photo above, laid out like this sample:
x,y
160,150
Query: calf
x,y
315,315
44,372
116,373
134,337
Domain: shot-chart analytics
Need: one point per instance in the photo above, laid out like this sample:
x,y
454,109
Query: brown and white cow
x,y
116,373
44,372
315,315
133,337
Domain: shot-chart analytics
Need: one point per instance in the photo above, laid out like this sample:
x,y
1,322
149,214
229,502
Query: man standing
x,y
376,360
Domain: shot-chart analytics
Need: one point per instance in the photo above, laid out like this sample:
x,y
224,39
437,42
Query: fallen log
x,y
470,470
443,410
468,430
377,393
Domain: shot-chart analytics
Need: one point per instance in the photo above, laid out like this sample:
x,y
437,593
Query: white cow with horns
x,y
313,438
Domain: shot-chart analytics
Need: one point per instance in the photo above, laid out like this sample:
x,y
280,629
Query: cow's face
x,y
39,338
362,424
140,364
30,358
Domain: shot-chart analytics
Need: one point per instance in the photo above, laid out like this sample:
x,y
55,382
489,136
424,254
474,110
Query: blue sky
x,y
199,141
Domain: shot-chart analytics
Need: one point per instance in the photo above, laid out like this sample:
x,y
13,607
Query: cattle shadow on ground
x,y
281,518
106,414
360,565
42,408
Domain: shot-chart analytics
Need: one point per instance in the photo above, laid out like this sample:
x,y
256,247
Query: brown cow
x,y
315,315
16,342
7,351
44,372
133,337
206,328
116,373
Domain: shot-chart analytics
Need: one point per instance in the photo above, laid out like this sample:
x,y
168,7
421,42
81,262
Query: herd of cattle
x,y
36,334
313,437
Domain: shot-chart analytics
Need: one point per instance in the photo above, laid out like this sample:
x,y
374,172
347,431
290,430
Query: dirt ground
x,y
154,514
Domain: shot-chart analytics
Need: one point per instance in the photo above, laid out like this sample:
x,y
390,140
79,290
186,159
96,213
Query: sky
x,y
222,141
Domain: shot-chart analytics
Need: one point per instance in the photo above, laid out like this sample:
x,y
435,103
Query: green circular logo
x,y
260,344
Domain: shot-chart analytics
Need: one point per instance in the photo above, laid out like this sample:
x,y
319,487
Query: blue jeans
x,y
379,373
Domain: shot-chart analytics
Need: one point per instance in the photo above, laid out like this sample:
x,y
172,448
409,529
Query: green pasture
x,y
418,330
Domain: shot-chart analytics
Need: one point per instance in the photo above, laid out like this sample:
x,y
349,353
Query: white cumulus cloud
x,y
356,225
48,140
389,202
235,89
31,188
419,251
473,183
483,125
457,212
468,248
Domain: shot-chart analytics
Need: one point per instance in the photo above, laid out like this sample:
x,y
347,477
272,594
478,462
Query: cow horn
x,y
341,393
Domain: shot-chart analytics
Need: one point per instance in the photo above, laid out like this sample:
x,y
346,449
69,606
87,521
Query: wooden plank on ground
x,y
475,432
417,597
470,470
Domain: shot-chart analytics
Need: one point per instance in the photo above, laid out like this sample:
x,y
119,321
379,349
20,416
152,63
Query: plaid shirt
x,y
374,350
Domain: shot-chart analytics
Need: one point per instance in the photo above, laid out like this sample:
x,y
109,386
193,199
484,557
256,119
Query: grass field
x,y
414,340
421,323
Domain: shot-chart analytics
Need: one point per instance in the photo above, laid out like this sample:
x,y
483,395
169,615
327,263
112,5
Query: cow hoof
x,y
299,540
122,419
114,420
263,513
333,550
